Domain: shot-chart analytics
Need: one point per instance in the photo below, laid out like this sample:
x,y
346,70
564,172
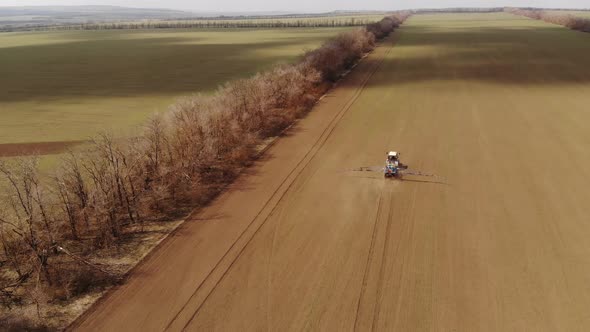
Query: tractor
x,y
393,165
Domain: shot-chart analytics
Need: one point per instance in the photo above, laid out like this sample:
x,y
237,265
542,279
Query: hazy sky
x,y
303,5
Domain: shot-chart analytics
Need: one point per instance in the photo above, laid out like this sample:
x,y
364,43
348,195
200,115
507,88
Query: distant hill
x,y
51,15
88,11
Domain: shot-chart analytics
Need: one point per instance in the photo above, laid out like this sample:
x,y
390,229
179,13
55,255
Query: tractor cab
x,y
393,156
392,164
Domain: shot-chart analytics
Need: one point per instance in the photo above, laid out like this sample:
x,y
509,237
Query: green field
x,y
578,13
68,85
585,14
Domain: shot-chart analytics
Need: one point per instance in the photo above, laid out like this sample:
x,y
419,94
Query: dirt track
x,y
501,243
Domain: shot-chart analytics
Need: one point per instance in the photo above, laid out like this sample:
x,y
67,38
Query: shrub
x,y
18,323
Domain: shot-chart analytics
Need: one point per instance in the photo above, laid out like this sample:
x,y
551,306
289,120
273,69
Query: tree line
x,y
567,20
312,22
457,10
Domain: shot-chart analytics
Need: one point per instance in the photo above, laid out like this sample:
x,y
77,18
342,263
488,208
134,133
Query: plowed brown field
x,y
498,106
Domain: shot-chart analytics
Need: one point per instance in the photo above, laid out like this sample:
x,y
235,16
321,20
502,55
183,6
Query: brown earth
x,y
498,243
37,148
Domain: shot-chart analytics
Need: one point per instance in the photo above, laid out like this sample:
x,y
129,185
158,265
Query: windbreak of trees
x,y
228,24
457,10
50,228
567,20
299,22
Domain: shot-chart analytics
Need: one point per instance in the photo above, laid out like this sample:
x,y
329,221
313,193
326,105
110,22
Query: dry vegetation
x,y
457,10
568,20
54,231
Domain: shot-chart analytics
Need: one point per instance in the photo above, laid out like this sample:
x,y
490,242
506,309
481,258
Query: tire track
x,y
370,256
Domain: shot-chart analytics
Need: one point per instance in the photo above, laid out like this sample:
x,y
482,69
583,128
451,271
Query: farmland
x,y
486,230
578,13
65,86
120,190
496,105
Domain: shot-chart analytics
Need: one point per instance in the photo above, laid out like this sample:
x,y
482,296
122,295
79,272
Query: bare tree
x,y
27,215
